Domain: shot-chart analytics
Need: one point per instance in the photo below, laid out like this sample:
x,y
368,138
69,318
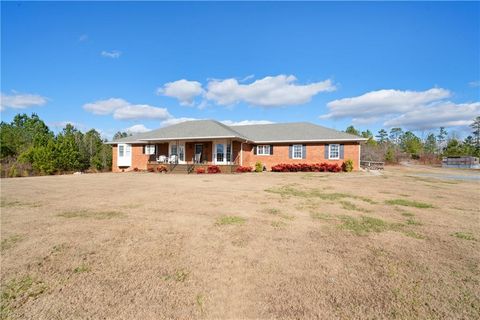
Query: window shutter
x,y
254,149
271,149
290,151
341,151
304,151
326,151
143,148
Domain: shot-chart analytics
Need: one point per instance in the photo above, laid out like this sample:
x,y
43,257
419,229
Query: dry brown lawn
x,y
256,246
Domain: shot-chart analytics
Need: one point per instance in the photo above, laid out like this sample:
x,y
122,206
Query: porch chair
x,y
173,158
162,159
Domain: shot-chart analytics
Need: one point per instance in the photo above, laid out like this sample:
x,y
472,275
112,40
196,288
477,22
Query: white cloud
x,y
183,90
474,84
172,121
114,54
141,111
250,76
245,122
123,110
83,38
103,107
138,128
382,102
21,100
438,114
270,91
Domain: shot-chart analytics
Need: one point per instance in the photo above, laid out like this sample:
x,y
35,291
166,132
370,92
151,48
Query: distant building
x,y
461,162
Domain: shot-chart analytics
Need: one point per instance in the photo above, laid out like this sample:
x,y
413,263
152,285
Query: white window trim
x,y
225,144
330,150
301,151
263,148
180,145
149,149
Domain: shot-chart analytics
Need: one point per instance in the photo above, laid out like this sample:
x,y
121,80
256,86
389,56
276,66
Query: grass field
x,y
264,246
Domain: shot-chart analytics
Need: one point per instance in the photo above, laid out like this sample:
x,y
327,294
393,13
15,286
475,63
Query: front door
x,y
222,153
178,150
198,156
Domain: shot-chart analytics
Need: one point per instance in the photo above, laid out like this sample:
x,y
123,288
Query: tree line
x,y
396,144
29,147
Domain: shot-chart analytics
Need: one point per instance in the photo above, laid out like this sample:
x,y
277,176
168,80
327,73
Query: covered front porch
x,y
224,152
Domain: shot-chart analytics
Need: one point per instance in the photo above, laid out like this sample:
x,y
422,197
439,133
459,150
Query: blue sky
x,y
113,66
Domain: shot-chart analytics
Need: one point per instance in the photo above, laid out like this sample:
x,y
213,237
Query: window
x,y
263,150
229,152
127,150
220,152
121,150
150,149
334,151
173,149
297,151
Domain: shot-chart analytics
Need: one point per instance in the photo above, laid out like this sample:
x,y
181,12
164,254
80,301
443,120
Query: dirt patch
x,y
250,246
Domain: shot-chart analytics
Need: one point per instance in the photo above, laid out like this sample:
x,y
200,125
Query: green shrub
x,y
258,167
348,165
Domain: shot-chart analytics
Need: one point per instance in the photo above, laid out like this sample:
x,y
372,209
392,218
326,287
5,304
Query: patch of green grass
x,y
178,276
10,242
82,268
225,220
15,203
413,222
200,302
277,212
407,214
464,235
365,225
91,214
16,292
278,224
288,190
409,203
321,216
413,234
347,205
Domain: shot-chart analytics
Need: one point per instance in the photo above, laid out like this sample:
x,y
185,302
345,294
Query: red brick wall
x,y
315,154
139,160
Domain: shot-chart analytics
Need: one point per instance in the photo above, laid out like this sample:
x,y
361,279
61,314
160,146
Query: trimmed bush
x,y
347,166
162,168
305,167
200,170
213,169
242,169
258,167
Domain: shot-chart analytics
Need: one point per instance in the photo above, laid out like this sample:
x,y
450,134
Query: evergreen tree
x,y
382,136
395,134
430,145
476,132
410,143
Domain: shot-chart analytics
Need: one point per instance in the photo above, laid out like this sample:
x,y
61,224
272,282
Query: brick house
x,y
207,142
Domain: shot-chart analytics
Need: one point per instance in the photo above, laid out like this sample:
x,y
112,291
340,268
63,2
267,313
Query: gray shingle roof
x,y
276,132
293,131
